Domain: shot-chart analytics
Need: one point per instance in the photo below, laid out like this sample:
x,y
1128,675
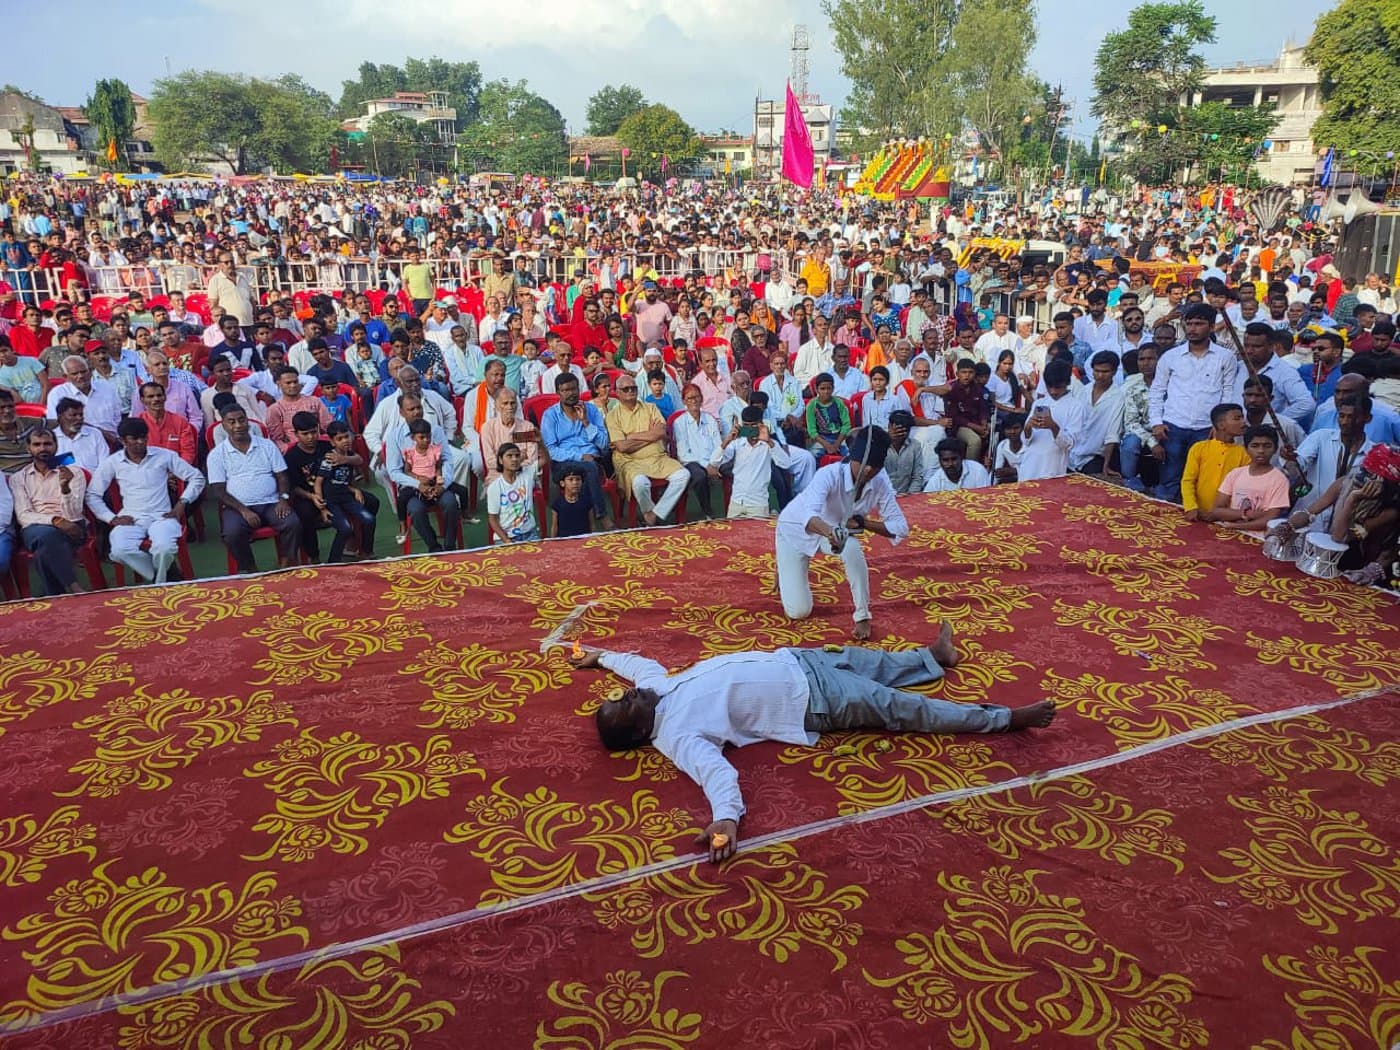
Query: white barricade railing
x,y
332,274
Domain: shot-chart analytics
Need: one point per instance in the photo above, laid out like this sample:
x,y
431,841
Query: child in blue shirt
x,y
337,404
656,394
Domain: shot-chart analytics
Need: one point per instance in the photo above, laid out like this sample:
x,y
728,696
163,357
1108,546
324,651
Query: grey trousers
x,y
857,688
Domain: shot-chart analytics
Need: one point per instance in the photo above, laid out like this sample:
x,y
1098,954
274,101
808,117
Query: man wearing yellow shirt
x,y
638,435
1210,460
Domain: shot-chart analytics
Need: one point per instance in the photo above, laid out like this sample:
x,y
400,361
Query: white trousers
x,y
928,437
164,534
795,588
743,509
675,488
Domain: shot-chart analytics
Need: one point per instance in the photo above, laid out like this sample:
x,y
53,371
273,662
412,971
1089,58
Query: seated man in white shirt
x,y
822,517
88,445
97,396
248,480
142,475
955,470
790,696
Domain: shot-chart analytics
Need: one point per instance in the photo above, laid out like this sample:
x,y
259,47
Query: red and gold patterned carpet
x,y
357,807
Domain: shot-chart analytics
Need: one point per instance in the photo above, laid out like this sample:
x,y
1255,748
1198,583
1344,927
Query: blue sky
x,y
708,60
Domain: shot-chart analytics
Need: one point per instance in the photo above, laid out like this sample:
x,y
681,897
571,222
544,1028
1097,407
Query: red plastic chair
x,y
182,550
102,308
537,404
857,409
198,304
31,411
240,374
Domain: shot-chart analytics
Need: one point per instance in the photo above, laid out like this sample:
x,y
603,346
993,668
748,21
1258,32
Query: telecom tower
x,y
800,46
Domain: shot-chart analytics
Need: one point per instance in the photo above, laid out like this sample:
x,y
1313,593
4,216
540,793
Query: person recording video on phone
x,y
1053,426
48,496
754,453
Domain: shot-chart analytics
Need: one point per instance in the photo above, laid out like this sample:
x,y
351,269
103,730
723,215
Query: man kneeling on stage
x,y
791,696
826,517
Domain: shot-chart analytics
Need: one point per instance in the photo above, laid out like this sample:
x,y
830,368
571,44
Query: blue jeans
x,y
7,548
343,516
1129,452
1178,444
857,688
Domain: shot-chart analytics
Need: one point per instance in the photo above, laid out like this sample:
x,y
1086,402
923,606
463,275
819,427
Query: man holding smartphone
x,y
48,497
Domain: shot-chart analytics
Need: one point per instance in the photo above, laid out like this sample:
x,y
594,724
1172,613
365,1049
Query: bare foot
x,y
943,650
651,519
861,631
1032,716
607,525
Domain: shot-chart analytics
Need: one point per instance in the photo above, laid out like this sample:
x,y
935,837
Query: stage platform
x,y
358,807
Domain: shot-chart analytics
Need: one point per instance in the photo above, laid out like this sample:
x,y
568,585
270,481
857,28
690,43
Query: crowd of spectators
x,y
561,360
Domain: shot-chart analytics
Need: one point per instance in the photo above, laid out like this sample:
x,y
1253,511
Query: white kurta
x,y
1045,455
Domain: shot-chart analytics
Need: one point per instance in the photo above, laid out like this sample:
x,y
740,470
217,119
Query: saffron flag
x,y
112,151
798,154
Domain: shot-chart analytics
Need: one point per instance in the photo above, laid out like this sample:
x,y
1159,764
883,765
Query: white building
x,y
57,144
768,122
1292,86
424,107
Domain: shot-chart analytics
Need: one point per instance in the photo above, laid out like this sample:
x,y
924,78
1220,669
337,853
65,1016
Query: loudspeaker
x,y
1371,244
1359,204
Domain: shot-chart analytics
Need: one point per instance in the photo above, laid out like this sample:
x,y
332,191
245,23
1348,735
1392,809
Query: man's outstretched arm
x,y
704,762
636,669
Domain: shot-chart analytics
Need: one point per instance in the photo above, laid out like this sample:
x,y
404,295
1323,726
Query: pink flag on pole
x,y
665,160
626,153
587,162
798,154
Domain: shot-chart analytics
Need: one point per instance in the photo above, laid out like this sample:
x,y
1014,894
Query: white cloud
x,y
706,60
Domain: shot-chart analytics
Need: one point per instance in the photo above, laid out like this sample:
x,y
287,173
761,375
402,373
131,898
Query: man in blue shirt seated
x,y
575,435
791,696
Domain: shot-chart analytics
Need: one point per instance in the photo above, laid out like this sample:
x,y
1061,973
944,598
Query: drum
x,y
1282,542
1321,556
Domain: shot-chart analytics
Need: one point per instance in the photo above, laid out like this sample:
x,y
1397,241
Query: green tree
x,y
461,81
517,131
1142,73
248,124
1224,139
658,131
1356,48
112,114
611,106
295,126
897,55
990,44
202,114
397,145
